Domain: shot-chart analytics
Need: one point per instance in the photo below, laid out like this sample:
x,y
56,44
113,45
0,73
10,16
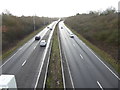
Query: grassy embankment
x,y
20,43
54,79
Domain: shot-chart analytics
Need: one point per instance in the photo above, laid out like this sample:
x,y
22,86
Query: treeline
x,y
15,28
100,28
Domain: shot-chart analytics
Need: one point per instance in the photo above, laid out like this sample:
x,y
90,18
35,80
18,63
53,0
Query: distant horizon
x,y
55,8
7,11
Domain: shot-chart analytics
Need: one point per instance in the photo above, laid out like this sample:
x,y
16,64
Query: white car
x,y
43,43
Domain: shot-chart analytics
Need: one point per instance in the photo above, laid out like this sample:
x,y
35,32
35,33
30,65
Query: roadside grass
x,y
20,43
104,56
54,79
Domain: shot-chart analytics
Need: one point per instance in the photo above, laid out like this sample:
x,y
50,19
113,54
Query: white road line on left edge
x,y
7,60
100,85
24,63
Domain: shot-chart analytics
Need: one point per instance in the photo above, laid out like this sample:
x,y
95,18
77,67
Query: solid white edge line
x,y
42,61
47,68
100,85
102,62
105,65
24,63
8,60
20,48
69,71
61,59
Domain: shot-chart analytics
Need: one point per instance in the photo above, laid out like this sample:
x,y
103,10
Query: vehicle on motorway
x,y
50,28
47,27
37,37
43,43
71,35
61,27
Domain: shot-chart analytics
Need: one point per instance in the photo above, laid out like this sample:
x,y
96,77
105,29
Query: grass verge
x,y
54,79
20,43
106,57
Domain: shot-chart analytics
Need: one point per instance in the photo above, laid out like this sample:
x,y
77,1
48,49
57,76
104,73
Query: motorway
x,y
27,61
81,66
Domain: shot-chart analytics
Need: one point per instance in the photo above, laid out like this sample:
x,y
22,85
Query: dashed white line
x,y
24,63
100,85
34,47
74,45
81,56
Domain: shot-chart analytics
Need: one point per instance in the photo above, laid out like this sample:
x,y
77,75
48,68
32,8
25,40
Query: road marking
x,y
24,63
69,71
74,45
104,64
20,48
8,60
61,61
81,56
34,47
100,85
47,67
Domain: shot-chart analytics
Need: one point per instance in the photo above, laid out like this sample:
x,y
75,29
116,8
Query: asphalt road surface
x,y
84,68
25,63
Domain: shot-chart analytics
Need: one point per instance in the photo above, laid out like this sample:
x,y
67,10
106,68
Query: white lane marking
x,y
74,45
20,48
69,71
34,47
105,65
100,85
24,63
26,44
81,56
47,67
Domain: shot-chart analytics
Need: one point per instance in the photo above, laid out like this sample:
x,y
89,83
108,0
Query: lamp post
x,y
34,22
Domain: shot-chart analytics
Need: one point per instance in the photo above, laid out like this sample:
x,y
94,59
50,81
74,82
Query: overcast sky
x,y
55,8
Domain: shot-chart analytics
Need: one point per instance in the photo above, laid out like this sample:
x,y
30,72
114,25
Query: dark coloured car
x,y
37,37
50,28
71,35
